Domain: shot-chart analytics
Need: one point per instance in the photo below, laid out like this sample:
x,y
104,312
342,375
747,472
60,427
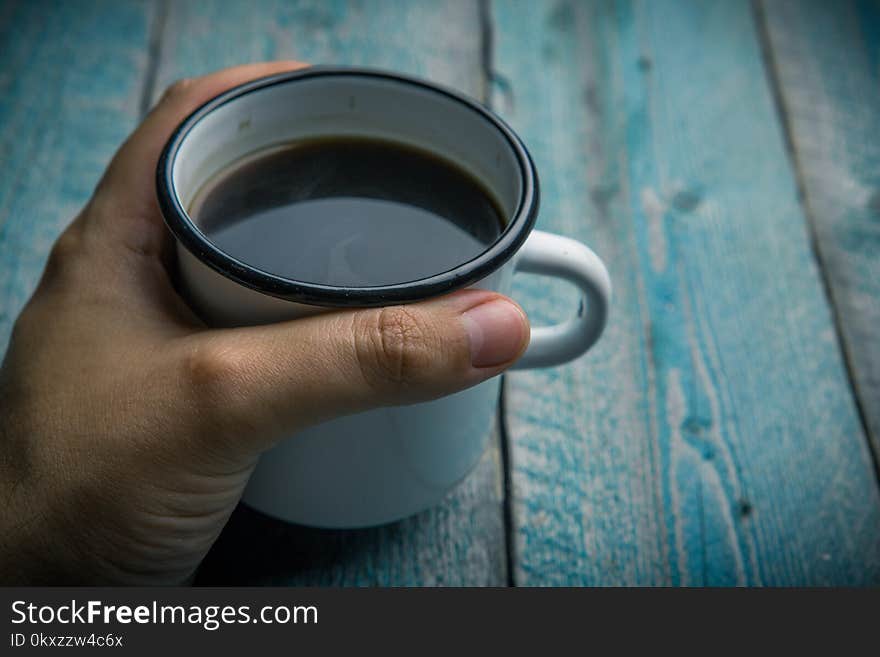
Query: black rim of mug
x,y
465,274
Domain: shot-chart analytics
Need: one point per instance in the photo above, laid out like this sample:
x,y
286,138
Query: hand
x,y
129,428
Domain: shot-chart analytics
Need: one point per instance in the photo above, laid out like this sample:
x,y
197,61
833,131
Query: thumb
x,y
276,379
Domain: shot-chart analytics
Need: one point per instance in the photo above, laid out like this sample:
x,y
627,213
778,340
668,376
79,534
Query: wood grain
x,y
462,541
711,438
440,41
826,58
64,109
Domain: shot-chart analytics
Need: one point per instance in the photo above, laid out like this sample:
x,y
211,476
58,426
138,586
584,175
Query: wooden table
x,y
722,156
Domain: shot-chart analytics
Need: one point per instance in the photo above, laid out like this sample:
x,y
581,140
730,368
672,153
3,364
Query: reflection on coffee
x,y
348,211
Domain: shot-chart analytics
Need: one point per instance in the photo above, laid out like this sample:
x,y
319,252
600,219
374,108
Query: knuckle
x,y
393,347
212,372
214,385
65,254
178,88
67,247
26,327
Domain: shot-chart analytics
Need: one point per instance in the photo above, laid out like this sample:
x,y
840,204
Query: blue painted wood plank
x,y
440,41
711,438
71,77
462,541
827,61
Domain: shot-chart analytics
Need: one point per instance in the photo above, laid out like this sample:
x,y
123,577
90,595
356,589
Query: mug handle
x,y
553,255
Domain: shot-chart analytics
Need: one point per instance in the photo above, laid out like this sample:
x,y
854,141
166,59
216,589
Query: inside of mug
x,y
349,105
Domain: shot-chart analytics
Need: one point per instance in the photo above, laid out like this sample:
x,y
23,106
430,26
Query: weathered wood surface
x,y
711,438
462,541
826,57
440,41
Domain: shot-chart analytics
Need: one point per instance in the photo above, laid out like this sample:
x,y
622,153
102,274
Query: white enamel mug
x,y
382,465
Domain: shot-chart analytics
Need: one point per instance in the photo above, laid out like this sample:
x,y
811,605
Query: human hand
x,y
129,428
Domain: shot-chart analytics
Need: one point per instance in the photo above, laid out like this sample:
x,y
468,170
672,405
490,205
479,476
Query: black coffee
x,y
349,212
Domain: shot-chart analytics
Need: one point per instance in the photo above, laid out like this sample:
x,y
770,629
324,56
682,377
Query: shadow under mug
x,y
381,465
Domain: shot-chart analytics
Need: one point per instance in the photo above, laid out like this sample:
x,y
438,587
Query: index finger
x,y
128,184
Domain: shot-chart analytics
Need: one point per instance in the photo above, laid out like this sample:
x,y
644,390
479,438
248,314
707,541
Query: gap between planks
x,y
154,48
775,84
487,50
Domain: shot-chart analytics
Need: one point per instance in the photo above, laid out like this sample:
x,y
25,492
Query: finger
x,y
126,197
273,380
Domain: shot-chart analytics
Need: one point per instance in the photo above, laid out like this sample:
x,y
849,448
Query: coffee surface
x,y
348,212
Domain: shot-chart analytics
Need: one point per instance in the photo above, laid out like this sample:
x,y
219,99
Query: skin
x,y
129,428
